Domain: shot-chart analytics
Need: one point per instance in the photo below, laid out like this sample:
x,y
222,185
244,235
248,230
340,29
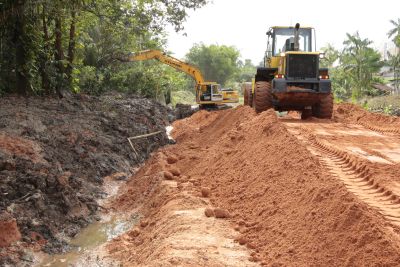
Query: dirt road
x,y
366,161
240,189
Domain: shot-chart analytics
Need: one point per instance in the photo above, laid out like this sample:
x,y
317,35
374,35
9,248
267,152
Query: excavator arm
x,y
207,93
173,62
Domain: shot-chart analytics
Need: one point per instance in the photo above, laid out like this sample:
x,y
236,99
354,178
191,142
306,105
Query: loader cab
x,y
281,39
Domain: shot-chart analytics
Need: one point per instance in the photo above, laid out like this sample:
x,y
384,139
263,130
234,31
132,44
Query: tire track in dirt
x,y
381,130
355,174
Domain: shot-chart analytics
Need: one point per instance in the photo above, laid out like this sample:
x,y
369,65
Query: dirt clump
x,y
168,175
209,212
221,213
205,192
9,232
55,153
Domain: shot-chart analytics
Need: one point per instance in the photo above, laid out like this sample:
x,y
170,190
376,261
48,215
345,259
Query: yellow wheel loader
x,y
208,94
291,78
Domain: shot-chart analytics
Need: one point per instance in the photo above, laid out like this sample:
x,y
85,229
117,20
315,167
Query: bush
x,y
183,97
384,104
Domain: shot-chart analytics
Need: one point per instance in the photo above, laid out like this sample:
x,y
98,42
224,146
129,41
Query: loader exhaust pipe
x,y
296,37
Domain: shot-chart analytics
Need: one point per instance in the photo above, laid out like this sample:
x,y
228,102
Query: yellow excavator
x,y
207,93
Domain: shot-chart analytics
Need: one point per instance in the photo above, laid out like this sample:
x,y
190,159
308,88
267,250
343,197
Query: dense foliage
x,y
217,63
48,46
354,69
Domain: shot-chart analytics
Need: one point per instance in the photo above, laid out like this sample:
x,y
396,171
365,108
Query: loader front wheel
x,y
248,97
262,96
324,108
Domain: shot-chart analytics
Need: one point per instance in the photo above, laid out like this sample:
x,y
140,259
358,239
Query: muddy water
x,y
90,238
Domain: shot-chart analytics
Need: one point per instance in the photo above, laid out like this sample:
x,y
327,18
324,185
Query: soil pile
x,y
351,113
54,154
285,206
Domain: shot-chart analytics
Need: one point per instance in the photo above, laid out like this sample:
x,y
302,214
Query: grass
x,y
183,97
384,104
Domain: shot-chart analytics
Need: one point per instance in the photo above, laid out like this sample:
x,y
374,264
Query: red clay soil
x,y
351,113
21,147
285,206
9,232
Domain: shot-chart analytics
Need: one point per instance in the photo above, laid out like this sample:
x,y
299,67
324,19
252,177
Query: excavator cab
x,y
208,92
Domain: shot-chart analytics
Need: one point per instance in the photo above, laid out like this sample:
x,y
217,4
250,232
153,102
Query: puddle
x,y
89,238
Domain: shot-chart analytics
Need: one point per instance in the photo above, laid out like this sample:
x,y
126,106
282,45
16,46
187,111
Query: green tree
x,y
246,71
56,39
395,32
360,62
394,59
331,55
218,63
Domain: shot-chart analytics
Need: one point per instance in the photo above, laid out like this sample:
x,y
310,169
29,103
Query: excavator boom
x,y
173,62
207,93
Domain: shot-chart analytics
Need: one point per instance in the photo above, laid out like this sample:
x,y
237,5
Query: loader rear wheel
x,y
248,97
306,113
262,96
324,108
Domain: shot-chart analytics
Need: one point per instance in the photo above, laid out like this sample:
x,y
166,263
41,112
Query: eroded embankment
x,y
54,156
284,204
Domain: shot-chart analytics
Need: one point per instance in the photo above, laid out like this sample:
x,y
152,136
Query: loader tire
x,y
324,108
306,113
262,96
248,97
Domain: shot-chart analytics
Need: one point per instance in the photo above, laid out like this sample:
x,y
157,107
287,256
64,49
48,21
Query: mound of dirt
x,y
284,205
351,113
54,154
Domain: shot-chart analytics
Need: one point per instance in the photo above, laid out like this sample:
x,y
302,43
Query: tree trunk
x,y
59,54
21,40
71,46
43,68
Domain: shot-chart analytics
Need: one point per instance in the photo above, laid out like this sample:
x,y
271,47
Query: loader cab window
x,y
283,40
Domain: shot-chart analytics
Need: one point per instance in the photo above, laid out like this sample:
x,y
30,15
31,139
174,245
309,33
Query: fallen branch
x,y
144,135
138,137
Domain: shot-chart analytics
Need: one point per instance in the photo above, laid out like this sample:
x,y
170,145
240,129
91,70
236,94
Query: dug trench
x,y
55,155
240,189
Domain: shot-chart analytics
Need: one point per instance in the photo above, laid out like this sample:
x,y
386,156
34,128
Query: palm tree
x,y
395,59
360,61
395,32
